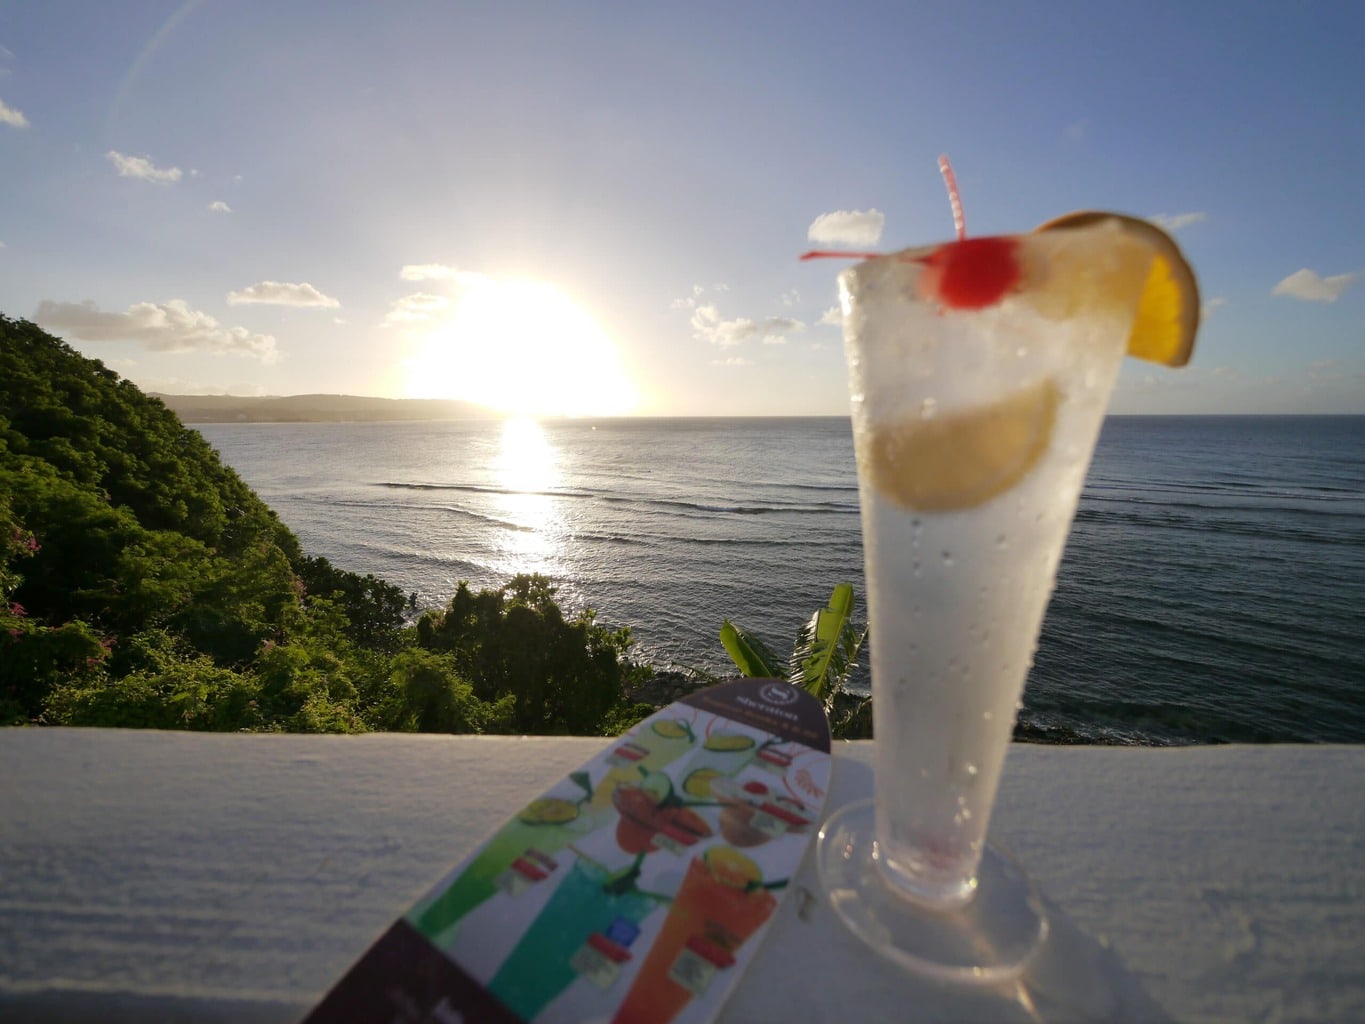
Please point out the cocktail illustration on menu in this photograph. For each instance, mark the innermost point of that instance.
(649, 747)
(520, 854)
(756, 812)
(634, 885)
(513, 856)
(723, 900)
(587, 926)
(979, 375)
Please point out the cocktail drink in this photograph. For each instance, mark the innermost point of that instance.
(723, 753)
(588, 901)
(542, 829)
(720, 904)
(650, 748)
(979, 375)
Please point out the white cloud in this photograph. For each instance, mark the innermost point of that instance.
(732, 361)
(12, 117)
(1077, 130)
(847, 227)
(218, 206)
(832, 317)
(143, 168)
(708, 326)
(690, 301)
(161, 327)
(1176, 221)
(1213, 304)
(791, 298)
(415, 308)
(1307, 285)
(281, 293)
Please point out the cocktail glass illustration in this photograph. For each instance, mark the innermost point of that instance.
(722, 753)
(542, 828)
(649, 747)
(589, 901)
(654, 818)
(721, 903)
(754, 812)
(979, 373)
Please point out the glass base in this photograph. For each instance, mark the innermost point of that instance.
(988, 939)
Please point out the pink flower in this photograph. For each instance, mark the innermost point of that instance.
(15, 608)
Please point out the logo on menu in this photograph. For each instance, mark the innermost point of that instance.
(778, 693)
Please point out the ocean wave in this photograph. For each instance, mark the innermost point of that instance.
(739, 509)
(1327, 526)
(484, 489)
(730, 508)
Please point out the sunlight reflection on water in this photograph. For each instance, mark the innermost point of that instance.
(526, 469)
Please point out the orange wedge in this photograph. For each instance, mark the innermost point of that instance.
(962, 459)
(1168, 312)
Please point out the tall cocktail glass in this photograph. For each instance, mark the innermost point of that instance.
(979, 374)
(588, 900)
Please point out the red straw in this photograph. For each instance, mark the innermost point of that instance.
(959, 222)
(838, 254)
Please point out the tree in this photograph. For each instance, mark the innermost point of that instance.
(564, 676)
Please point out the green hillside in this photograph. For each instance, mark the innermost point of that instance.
(143, 584)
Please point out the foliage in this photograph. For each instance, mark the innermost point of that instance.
(374, 609)
(564, 676)
(823, 658)
(144, 585)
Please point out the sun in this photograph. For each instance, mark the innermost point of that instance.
(521, 347)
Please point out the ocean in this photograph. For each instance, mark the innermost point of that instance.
(1212, 589)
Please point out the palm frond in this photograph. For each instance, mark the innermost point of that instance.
(826, 647)
(750, 654)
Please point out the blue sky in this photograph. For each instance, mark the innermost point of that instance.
(597, 207)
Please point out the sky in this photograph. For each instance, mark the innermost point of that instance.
(597, 208)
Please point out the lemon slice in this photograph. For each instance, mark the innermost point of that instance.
(728, 742)
(698, 784)
(964, 458)
(549, 810)
(1168, 312)
(670, 728)
(730, 867)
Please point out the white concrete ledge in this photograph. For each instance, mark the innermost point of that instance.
(196, 877)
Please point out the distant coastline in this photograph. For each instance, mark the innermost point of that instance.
(362, 409)
(319, 409)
